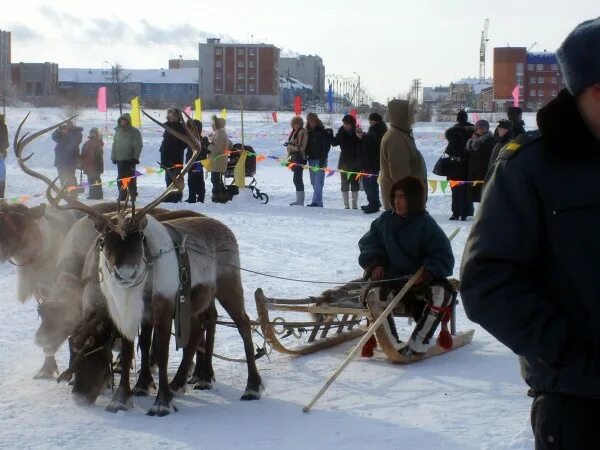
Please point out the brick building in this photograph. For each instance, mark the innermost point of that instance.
(537, 74)
(230, 71)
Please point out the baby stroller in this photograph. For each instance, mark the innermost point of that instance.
(250, 172)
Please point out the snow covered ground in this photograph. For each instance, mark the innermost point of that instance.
(471, 398)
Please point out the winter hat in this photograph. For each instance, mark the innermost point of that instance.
(505, 124)
(375, 117)
(94, 132)
(462, 117)
(578, 60)
(414, 189)
(349, 120)
(514, 113)
(483, 124)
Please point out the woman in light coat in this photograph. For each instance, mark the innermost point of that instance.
(296, 150)
(218, 159)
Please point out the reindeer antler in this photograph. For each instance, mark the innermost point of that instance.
(191, 139)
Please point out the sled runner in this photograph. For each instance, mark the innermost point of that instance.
(339, 316)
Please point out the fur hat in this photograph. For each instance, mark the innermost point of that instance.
(578, 60)
(505, 124)
(462, 117)
(94, 132)
(514, 113)
(483, 124)
(414, 189)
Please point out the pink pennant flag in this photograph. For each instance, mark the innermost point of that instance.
(188, 110)
(515, 95)
(102, 99)
(475, 117)
(274, 114)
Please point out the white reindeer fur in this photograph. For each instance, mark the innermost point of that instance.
(126, 304)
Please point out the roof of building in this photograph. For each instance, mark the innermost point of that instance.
(145, 76)
(476, 83)
(541, 58)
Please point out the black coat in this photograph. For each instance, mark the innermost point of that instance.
(348, 143)
(457, 137)
(172, 149)
(500, 142)
(479, 151)
(319, 144)
(368, 150)
(530, 266)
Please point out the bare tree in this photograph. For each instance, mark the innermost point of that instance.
(118, 78)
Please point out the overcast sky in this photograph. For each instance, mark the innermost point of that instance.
(388, 42)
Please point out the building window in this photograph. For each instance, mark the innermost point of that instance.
(218, 75)
(251, 87)
(218, 51)
(531, 67)
(251, 77)
(554, 80)
(540, 67)
(219, 64)
(240, 64)
(532, 93)
(530, 105)
(554, 93)
(540, 93)
(252, 52)
(554, 67)
(218, 89)
(540, 80)
(519, 68)
(240, 76)
(240, 51)
(532, 80)
(241, 88)
(148, 88)
(252, 64)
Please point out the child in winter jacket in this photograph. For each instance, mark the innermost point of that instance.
(92, 163)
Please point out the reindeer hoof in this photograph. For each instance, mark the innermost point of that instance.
(252, 394)
(203, 385)
(116, 406)
(161, 410)
(177, 391)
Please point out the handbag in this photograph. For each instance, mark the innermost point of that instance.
(441, 166)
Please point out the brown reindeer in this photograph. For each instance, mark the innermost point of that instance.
(131, 247)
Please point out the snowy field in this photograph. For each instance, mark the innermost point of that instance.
(472, 398)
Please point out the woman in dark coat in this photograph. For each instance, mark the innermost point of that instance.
(348, 142)
(479, 148)
(196, 185)
(458, 165)
(171, 152)
(92, 163)
(317, 151)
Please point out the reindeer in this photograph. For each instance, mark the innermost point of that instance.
(135, 246)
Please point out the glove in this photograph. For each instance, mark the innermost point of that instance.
(377, 273)
(135, 161)
(114, 161)
(425, 278)
(323, 163)
(285, 144)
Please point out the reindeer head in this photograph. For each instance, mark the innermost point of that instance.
(18, 228)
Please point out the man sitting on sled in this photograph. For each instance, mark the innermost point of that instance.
(399, 242)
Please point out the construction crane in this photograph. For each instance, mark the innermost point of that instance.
(482, 49)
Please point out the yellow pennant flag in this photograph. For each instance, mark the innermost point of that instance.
(198, 109)
(207, 164)
(224, 113)
(136, 116)
(239, 172)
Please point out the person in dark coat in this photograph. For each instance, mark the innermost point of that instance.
(3, 152)
(195, 181)
(458, 165)
(317, 152)
(348, 142)
(172, 151)
(404, 239)
(92, 163)
(296, 151)
(504, 135)
(66, 153)
(479, 148)
(530, 264)
(368, 160)
(515, 115)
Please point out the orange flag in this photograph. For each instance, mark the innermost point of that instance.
(125, 182)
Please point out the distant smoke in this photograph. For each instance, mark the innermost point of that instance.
(287, 53)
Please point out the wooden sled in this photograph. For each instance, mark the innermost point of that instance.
(336, 323)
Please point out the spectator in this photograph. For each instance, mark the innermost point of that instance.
(504, 132)
(296, 150)
(480, 148)
(368, 160)
(125, 154)
(3, 152)
(217, 148)
(196, 185)
(66, 153)
(399, 156)
(317, 152)
(92, 163)
(515, 115)
(171, 152)
(348, 142)
(530, 264)
(458, 165)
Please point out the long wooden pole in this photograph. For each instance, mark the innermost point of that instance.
(370, 332)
